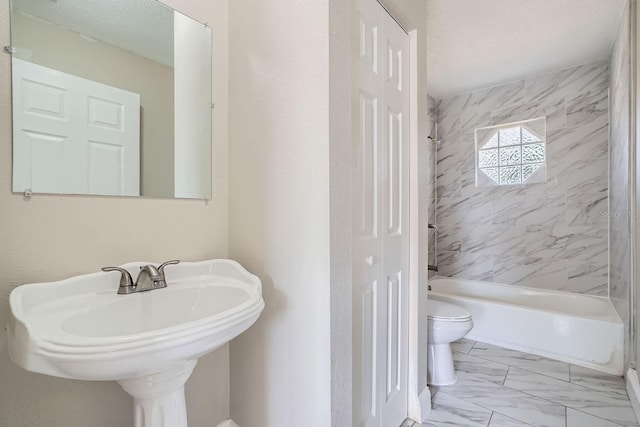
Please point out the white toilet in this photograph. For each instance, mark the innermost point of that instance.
(447, 323)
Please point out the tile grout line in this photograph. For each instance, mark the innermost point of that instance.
(594, 416)
(518, 367)
(505, 376)
(544, 375)
(531, 395)
(490, 418)
(504, 415)
(543, 399)
(471, 403)
(582, 387)
(524, 369)
(622, 392)
(565, 406)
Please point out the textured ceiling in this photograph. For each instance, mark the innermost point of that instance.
(474, 44)
(144, 27)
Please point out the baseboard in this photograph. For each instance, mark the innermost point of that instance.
(228, 423)
(633, 389)
(419, 406)
(425, 404)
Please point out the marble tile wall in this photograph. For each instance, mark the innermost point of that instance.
(431, 185)
(552, 235)
(619, 221)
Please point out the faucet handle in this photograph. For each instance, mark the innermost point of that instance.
(126, 282)
(164, 264)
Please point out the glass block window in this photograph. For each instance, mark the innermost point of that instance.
(511, 154)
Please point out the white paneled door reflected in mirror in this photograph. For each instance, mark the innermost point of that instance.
(110, 98)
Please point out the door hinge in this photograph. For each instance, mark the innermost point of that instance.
(10, 49)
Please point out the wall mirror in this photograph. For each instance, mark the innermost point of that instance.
(110, 98)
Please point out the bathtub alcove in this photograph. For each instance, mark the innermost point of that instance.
(579, 329)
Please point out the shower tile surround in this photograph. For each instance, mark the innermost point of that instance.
(498, 387)
(619, 222)
(431, 184)
(551, 235)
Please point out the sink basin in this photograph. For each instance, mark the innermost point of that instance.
(80, 328)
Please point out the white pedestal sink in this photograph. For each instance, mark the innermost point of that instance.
(79, 328)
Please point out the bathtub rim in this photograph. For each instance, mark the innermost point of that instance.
(612, 315)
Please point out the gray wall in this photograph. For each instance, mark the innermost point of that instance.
(620, 257)
(552, 235)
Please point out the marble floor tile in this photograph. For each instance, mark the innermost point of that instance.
(580, 397)
(512, 403)
(480, 368)
(447, 410)
(597, 380)
(463, 345)
(529, 362)
(499, 420)
(580, 419)
(608, 405)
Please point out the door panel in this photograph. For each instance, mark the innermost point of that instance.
(73, 135)
(45, 100)
(48, 156)
(113, 129)
(105, 168)
(369, 348)
(396, 203)
(394, 168)
(380, 212)
(394, 334)
(367, 245)
(368, 166)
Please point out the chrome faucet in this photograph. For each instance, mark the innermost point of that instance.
(149, 278)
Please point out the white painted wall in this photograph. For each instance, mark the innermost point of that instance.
(192, 102)
(279, 208)
(52, 237)
(343, 30)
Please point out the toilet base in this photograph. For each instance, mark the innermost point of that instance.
(440, 370)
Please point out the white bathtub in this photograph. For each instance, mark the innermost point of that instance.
(579, 329)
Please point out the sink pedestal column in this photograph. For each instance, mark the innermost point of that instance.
(158, 399)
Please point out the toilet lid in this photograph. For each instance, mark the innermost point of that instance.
(444, 311)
